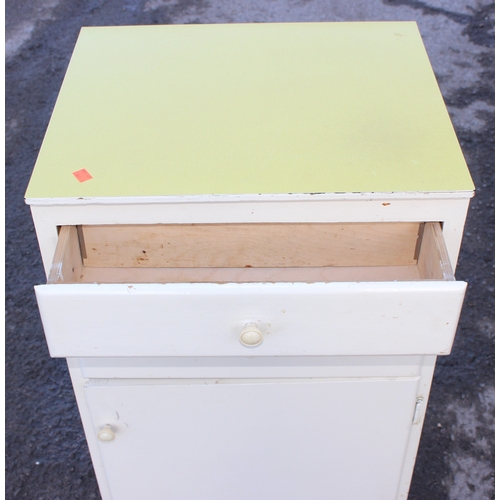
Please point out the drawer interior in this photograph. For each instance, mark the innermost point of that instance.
(239, 253)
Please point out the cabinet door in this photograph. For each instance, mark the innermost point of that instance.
(277, 439)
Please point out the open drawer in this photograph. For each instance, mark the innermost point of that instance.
(311, 289)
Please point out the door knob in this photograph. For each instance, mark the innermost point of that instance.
(106, 434)
(251, 336)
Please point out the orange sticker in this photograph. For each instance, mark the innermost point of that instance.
(82, 175)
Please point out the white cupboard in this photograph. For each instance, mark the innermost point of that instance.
(250, 234)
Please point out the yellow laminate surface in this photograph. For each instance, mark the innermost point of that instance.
(249, 109)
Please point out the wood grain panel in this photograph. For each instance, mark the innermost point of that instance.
(251, 245)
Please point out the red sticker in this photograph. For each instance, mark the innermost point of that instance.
(82, 175)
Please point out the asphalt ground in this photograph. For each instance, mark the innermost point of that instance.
(47, 456)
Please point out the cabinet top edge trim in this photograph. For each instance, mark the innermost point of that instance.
(214, 198)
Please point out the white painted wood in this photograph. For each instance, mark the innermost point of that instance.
(424, 387)
(207, 319)
(78, 383)
(251, 367)
(390, 208)
(275, 439)
(141, 368)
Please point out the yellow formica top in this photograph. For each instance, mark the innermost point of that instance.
(249, 109)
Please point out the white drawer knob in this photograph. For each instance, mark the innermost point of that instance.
(106, 434)
(251, 336)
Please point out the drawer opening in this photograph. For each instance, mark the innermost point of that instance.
(246, 253)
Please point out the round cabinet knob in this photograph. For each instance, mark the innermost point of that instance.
(106, 434)
(251, 336)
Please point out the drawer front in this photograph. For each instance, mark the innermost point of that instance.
(206, 319)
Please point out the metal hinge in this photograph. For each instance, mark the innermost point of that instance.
(418, 410)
